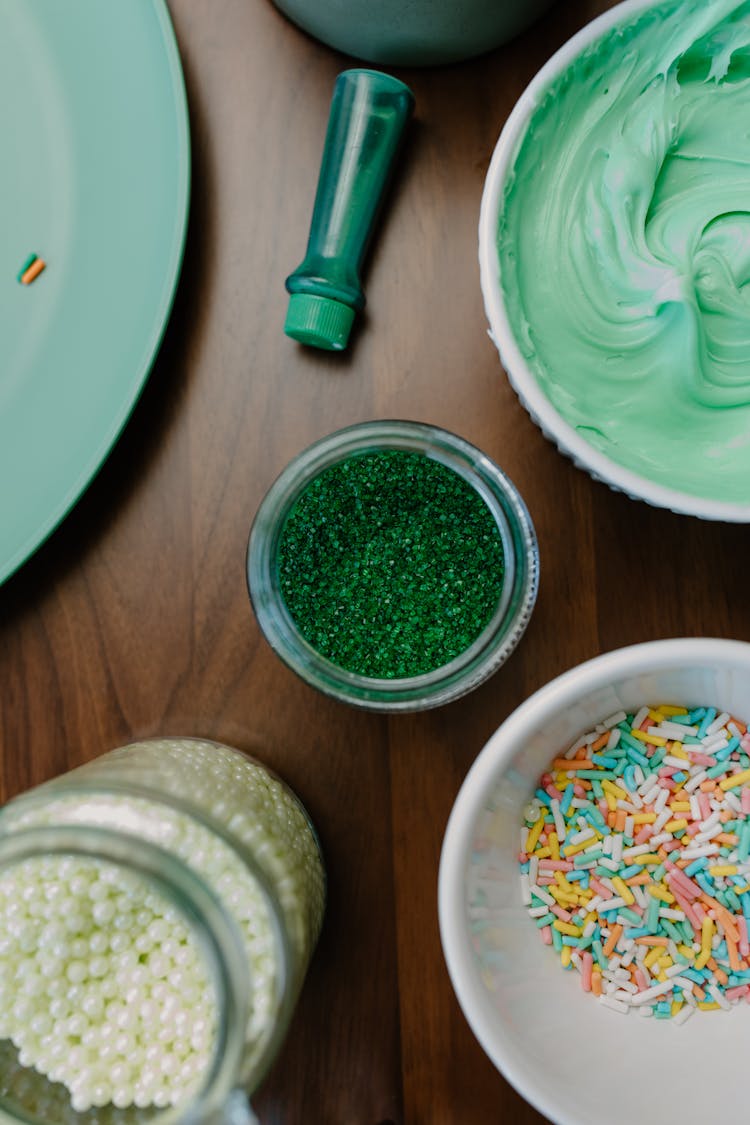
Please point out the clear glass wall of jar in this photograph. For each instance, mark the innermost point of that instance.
(497, 640)
(209, 840)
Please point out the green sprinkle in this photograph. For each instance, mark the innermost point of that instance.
(390, 564)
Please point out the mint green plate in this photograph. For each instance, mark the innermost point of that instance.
(94, 178)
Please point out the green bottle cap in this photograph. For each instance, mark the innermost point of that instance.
(319, 321)
(369, 111)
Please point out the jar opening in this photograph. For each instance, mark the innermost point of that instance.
(64, 888)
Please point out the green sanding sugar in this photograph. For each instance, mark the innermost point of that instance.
(390, 564)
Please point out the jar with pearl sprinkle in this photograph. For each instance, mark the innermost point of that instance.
(158, 909)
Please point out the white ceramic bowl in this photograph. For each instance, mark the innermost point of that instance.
(575, 1060)
(522, 378)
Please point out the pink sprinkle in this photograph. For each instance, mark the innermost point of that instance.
(667, 771)
(678, 875)
(523, 857)
(555, 865)
(701, 759)
(645, 834)
(694, 828)
(705, 805)
(735, 993)
(686, 905)
(742, 927)
(670, 845)
(578, 789)
(587, 963)
(640, 979)
(545, 780)
(563, 915)
(554, 792)
(603, 807)
(667, 783)
(601, 890)
(545, 880)
(745, 797)
(546, 933)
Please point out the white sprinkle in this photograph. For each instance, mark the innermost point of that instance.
(618, 717)
(649, 786)
(613, 740)
(718, 723)
(714, 745)
(719, 997)
(579, 837)
(616, 848)
(609, 864)
(533, 870)
(614, 903)
(733, 801)
(524, 838)
(661, 820)
(629, 827)
(672, 915)
(700, 852)
(673, 971)
(649, 994)
(695, 809)
(537, 911)
(540, 893)
(639, 718)
(636, 850)
(661, 800)
(680, 763)
(645, 1011)
(695, 781)
(615, 1005)
(683, 1015)
(558, 819)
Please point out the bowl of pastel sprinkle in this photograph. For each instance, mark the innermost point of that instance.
(596, 866)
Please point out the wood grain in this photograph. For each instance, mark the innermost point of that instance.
(133, 619)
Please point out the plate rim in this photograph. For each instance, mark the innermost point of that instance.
(68, 499)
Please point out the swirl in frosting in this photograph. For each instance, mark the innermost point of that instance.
(624, 243)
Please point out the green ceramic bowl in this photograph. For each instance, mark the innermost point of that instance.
(413, 32)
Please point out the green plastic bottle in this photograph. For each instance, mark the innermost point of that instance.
(368, 113)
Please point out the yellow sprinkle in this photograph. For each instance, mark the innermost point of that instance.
(542, 853)
(741, 890)
(571, 849)
(666, 961)
(623, 890)
(648, 860)
(565, 955)
(611, 801)
(657, 715)
(676, 1005)
(667, 709)
(534, 833)
(658, 890)
(675, 825)
(562, 895)
(734, 781)
(707, 928)
(723, 869)
(652, 739)
(704, 1005)
(566, 928)
(679, 806)
(652, 957)
(686, 951)
(610, 787)
(677, 750)
(554, 845)
(644, 818)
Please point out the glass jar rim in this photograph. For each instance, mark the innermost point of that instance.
(219, 937)
(494, 643)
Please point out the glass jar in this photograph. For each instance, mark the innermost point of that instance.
(171, 891)
(490, 648)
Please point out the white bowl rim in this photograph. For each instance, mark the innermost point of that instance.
(498, 752)
(519, 373)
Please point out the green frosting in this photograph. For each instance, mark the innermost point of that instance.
(624, 241)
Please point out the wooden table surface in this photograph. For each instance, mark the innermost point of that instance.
(133, 619)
